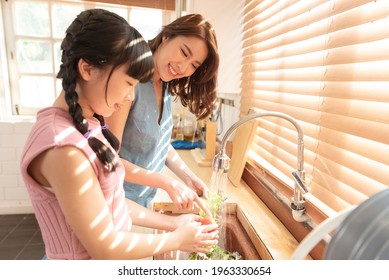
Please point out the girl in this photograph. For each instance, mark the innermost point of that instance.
(70, 165)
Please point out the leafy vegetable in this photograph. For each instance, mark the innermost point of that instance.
(213, 203)
(217, 253)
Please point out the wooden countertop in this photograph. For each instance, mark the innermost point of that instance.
(276, 241)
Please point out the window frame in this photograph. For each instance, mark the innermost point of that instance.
(10, 98)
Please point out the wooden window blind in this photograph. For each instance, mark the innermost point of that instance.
(155, 4)
(326, 64)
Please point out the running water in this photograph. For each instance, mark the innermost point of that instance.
(217, 203)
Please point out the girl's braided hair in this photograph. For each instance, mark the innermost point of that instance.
(103, 39)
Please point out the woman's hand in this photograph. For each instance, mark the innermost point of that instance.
(184, 197)
(197, 185)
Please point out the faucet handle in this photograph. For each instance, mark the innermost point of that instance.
(299, 182)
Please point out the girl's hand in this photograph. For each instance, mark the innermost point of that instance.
(181, 220)
(208, 221)
(194, 237)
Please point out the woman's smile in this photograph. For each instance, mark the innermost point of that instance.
(172, 71)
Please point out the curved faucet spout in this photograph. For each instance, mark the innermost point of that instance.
(298, 199)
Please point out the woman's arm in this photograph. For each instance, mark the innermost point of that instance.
(178, 167)
(182, 196)
(134, 173)
(77, 189)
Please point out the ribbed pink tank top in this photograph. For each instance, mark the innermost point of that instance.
(54, 128)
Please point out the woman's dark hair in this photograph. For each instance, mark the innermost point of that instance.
(104, 40)
(198, 91)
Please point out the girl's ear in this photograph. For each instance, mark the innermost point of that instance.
(85, 69)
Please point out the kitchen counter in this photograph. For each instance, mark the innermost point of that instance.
(275, 241)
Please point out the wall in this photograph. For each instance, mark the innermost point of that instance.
(13, 195)
(226, 18)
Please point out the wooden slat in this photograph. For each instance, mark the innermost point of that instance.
(155, 4)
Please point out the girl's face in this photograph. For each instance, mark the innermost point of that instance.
(104, 99)
(179, 57)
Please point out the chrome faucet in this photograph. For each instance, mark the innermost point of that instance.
(221, 162)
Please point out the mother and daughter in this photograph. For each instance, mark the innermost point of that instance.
(74, 164)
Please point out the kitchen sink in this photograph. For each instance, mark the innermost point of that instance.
(239, 237)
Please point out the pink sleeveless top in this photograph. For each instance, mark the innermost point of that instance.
(54, 128)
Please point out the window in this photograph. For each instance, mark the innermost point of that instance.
(326, 64)
(34, 37)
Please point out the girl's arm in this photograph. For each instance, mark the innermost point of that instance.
(144, 217)
(78, 191)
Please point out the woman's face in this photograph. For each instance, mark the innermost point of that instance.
(179, 57)
(104, 102)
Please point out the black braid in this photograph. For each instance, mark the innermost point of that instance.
(104, 154)
(107, 133)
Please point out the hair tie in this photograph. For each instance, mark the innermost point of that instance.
(88, 134)
(105, 127)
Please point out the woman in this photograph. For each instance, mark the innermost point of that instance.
(72, 171)
(186, 64)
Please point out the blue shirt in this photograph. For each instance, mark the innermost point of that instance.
(145, 142)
